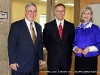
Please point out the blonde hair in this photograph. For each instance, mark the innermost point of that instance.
(83, 10)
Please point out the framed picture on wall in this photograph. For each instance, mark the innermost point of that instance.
(3, 15)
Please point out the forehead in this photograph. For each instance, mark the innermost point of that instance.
(31, 8)
(59, 8)
(87, 10)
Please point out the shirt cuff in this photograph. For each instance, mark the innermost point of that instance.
(93, 49)
(74, 48)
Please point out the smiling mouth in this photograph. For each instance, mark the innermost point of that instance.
(85, 18)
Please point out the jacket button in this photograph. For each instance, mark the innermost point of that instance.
(60, 51)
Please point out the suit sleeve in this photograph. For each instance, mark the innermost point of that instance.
(41, 47)
(12, 42)
(46, 36)
(72, 35)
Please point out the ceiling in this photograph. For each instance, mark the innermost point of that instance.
(58, 1)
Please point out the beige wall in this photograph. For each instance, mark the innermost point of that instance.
(18, 11)
(69, 16)
(18, 8)
(4, 29)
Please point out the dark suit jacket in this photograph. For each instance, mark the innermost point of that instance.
(53, 44)
(21, 49)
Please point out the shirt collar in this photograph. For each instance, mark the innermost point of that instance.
(87, 26)
(28, 23)
(58, 22)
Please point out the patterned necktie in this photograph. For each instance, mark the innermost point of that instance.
(33, 33)
(60, 30)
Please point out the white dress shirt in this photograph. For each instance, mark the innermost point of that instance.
(62, 23)
(28, 25)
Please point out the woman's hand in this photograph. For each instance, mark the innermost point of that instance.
(79, 50)
(86, 50)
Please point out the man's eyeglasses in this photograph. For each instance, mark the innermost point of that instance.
(30, 11)
(60, 11)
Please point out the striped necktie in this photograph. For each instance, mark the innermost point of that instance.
(33, 33)
(60, 30)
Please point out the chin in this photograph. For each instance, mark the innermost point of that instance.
(61, 19)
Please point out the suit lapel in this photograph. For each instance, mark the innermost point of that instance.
(26, 31)
(55, 28)
(37, 30)
(65, 31)
(55, 31)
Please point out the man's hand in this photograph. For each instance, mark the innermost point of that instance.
(40, 63)
(79, 50)
(14, 66)
(86, 50)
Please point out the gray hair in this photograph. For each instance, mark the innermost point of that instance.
(83, 10)
(28, 5)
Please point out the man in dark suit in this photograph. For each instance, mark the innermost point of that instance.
(58, 36)
(25, 48)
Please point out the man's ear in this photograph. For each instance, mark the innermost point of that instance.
(24, 12)
(54, 12)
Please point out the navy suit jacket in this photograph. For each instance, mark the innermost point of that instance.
(54, 44)
(21, 49)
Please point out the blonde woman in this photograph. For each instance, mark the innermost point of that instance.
(86, 44)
